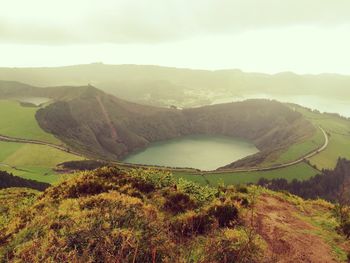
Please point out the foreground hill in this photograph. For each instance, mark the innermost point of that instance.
(113, 215)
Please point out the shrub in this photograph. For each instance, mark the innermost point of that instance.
(225, 213)
(345, 227)
(178, 203)
(86, 189)
(191, 223)
(143, 186)
(234, 245)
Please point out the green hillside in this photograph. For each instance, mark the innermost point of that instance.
(299, 171)
(338, 129)
(18, 121)
(32, 161)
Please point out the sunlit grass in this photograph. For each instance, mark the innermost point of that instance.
(301, 171)
(20, 122)
(33, 161)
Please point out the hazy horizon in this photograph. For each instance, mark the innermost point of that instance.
(250, 35)
(180, 68)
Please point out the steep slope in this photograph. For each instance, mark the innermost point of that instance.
(101, 124)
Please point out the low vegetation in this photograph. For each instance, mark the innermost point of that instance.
(325, 185)
(8, 180)
(139, 215)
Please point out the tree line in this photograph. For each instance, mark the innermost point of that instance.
(326, 185)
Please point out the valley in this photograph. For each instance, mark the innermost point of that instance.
(190, 169)
(174, 131)
(117, 118)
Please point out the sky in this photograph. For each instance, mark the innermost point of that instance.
(303, 36)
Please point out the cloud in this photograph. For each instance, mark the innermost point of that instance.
(155, 21)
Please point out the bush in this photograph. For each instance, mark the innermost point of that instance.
(87, 189)
(225, 213)
(234, 245)
(345, 227)
(178, 203)
(191, 223)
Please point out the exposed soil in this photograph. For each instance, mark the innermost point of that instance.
(114, 134)
(288, 237)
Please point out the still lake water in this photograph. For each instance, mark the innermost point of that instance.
(211, 152)
(34, 100)
(196, 151)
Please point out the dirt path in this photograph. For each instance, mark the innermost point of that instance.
(114, 134)
(289, 238)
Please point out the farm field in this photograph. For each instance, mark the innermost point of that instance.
(18, 121)
(32, 161)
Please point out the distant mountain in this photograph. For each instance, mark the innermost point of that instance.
(164, 86)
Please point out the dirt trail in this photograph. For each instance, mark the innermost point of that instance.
(114, 134)
(288, 237)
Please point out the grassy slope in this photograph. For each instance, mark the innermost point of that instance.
(339, 145)
(12, 201)
(300, 171)
(18, 121)
(320, 215)
(339, 138)
(299, 150)
(309, 227)
(33, 161)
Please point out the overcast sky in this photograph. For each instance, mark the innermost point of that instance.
(304, 36)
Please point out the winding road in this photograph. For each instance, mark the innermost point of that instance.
(62, 148)
(279, 166)
(20, 140)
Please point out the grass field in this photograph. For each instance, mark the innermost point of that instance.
(18, 121)
(37, 161)
(338, 130)
(299, 150)
(300, 171)
(32, 161)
